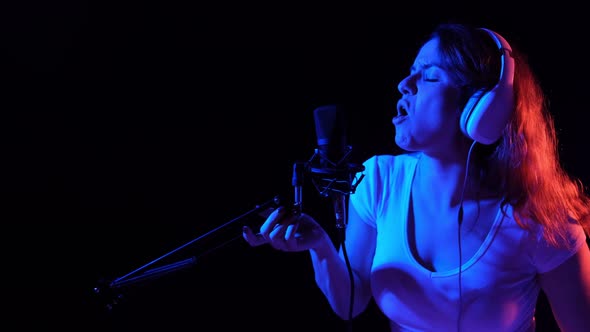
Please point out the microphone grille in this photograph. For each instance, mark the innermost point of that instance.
(330, 125)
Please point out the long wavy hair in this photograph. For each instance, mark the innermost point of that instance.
(524, 164)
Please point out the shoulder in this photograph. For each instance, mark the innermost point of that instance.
(546, 256)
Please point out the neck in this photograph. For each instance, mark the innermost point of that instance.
(445, 177)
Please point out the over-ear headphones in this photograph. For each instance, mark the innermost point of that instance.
(487, 112)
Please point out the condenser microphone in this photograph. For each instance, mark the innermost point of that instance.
(330, 126)
(330, 168)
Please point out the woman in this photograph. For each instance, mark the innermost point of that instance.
(460, 232)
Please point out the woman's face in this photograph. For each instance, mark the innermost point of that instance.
(429, 109)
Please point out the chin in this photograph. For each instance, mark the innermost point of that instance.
(403, 142)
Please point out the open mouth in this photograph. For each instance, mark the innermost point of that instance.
(402, 109)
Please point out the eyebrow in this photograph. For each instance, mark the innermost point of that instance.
(415, 68)
(425, 66)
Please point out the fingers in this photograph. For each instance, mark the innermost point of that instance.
(272, 221)
(289, 236)
(257, 239)
(254, 240)
(279, 230)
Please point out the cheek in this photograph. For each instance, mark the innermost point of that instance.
(451, 97)
(450, 105)
(440, 111)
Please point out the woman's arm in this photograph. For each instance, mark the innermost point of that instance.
(331, 272)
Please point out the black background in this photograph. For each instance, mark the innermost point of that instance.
(131, 129)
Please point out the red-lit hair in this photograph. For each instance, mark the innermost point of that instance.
(524, 164)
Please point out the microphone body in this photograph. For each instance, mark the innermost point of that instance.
(331, 172)
(330, 127)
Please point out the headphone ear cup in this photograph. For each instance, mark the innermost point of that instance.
(488, 112)
(471, 107)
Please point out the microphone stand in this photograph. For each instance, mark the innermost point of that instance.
(142, 274)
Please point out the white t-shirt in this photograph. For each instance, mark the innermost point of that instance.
(499, 286)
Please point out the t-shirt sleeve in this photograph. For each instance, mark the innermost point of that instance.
(547, 257)
(363, 199)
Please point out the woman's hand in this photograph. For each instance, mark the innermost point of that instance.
(287, 231)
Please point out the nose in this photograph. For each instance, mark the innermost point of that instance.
(406, 86)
